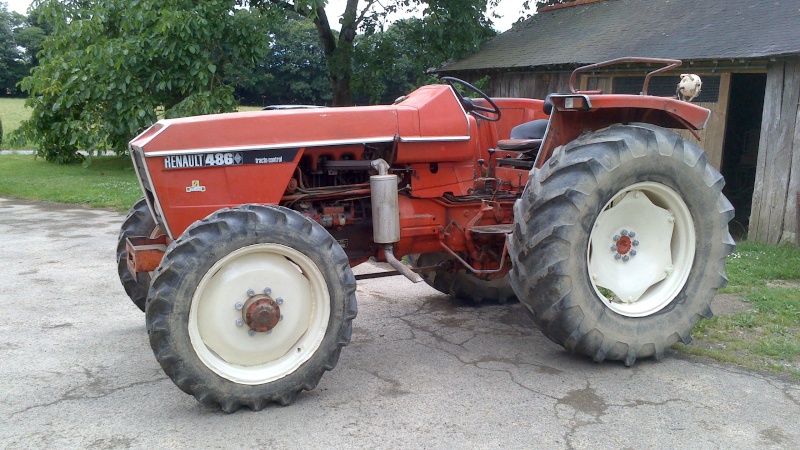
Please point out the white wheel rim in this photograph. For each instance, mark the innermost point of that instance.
(641, 276)
(226, 347)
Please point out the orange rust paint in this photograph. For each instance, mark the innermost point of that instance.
(144, 254)
(261, 313)
(624, 245)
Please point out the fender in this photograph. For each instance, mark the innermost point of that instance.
(575, 114)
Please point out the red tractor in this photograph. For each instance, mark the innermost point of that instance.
(609, 228)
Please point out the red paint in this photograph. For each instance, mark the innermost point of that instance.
(316, 161)
(624, 245)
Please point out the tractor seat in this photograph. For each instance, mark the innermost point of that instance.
(525, 137)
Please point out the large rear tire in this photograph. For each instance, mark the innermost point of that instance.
(251, 305)
(620, 241)
(139, 222)
(461, 284)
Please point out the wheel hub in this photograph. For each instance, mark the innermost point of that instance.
(623, 244)
(261, 313)
(638, 276)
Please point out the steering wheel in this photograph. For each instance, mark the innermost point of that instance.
(469, 105)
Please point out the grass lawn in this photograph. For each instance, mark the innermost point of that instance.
(109, 182)
(12, 113)
(766, 335)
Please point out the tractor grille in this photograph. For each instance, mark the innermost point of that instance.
(147, 188)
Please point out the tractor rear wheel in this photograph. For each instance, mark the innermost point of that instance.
(138, 223)
(251, 305)
(461, 284)
(620, 242)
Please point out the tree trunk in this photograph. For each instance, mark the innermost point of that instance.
(339, 55)
(341, 92)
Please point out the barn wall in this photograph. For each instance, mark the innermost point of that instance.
(528, 85)
(539, 85)
(774, 214)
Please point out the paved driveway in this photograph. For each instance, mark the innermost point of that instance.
(76, 370)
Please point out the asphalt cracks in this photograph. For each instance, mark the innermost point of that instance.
(422, 371)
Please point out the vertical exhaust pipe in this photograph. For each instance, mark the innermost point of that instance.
(386, 216)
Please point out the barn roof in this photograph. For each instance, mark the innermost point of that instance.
(593, 31)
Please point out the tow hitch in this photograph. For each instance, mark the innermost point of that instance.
(144, 253)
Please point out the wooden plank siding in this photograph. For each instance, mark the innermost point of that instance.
(539, 85)
(774, 214)
(528, 85)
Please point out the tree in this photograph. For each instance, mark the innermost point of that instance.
(394, 62)
(20, 40)
(297, 65)
(460, 24)
(30, 37)
(293, 71)
(10, 63)
(112, 68)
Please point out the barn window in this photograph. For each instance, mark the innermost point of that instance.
(666, 86)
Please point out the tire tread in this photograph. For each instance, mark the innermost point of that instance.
(548, 222)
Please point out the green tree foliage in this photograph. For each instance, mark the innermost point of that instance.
(292, 72)
(20, 40)
(297, 64)
(112, 68)
(11, 66)
(392, 63)
(449, 27)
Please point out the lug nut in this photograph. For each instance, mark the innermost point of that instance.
(613, 248)
(635, 243)
(251, 332)
(281, 317)
(616, 237)
(267, 291)
(624, 232)
(617, 256)
(239, 322)
(251, 292)
(632, 234)
(632, 253)
(279, 300)
(238, 306)
(626, 258)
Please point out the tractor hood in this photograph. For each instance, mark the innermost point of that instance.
(429, 113)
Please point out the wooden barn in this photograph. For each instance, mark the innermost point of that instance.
(747, 53)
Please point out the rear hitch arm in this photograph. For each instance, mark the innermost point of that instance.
(144, 253)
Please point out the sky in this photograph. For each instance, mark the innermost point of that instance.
(509, 10)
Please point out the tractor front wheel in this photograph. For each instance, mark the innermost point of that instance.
(251, 305)
(620, 242)
(139, 222)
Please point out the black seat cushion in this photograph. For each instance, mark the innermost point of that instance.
(530, 130)
(519, 145)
